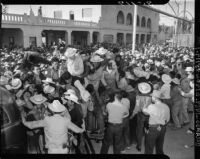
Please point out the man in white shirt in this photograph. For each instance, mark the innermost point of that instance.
(55, 128)
(113, 134)
(159, 115)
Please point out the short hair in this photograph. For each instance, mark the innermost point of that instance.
(54, 59)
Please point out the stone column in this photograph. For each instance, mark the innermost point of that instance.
(69, 41)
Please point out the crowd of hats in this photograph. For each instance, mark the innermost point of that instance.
(160, 56)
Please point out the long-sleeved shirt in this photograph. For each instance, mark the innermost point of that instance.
(141, 102)
(55, 128)
(165, 91)
(159, 113)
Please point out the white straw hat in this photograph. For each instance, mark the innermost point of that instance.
(71, 97)
(144, 88)
(70, 52)
(38, 99)
(96, 58)
(189, 69)
(176, 81)
(16, 83)
(166, 78)
(56, 106)
(48, 89)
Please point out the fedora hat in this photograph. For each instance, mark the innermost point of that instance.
(70, 91)
(96, 58)
(144, 88)
(71, 96)
(176, 81)
(48, 89)
(48, 80)
(38, 99)
(16, 83)
(70, 52)
(166, 78)
(56, 106)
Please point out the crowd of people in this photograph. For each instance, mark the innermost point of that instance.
(100, 90)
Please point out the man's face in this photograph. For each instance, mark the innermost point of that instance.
(55, 65)
(36, 70)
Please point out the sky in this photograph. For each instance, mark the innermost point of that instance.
(48, 10)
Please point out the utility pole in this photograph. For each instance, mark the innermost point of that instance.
(134, 28)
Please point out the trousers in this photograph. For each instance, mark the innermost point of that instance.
(141, 121)
(154, 138)
(113, 135)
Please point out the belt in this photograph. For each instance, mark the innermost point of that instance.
(115, 124)
(156, 125)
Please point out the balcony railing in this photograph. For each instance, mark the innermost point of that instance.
(18, 19)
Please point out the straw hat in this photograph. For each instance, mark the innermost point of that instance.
(48, 80)
(189, 69)
(176, 81)
(96, 58)
(70, 91)
(101, 51)
(71, 96)
(16, 83)
(48, 89)
(56, 106)
(166, 78)
(38, 99)
(70, 52)
(144, 88)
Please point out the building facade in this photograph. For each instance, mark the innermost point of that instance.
(115, 26)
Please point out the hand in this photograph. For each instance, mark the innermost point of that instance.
(182, 93)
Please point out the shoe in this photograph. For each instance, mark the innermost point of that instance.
(186, 123)
(124, 151)
(189, 132)
(128, 148)
(138, 148)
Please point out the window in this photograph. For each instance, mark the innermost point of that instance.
(129, 19)
(108, 38)
(148, 38)
(142, 40)
(137, 38)
(4, 117)
(143, 22)
(149, 23)
(32, 41)
(11, 40)
(120, 18)
(138, 20)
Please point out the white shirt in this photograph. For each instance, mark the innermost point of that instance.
(55, 129)
(159, 113)
(165, 91)
(116, 112)
(126, 104)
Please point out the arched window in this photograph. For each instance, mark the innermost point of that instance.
(143, 22)
(129, 19)
(149, 23)
(138, 20)
(120, 18)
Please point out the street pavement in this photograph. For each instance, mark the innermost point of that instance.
(174, 145)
